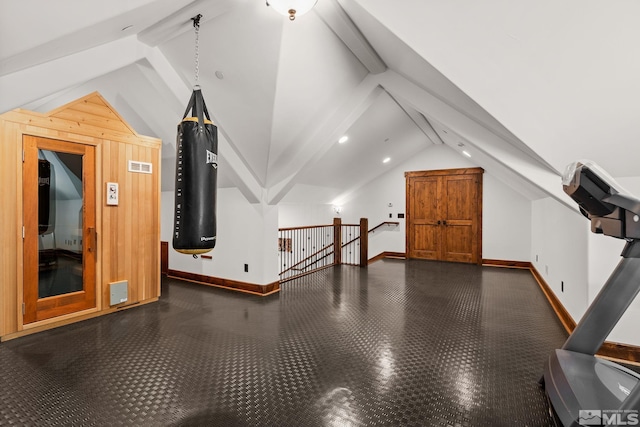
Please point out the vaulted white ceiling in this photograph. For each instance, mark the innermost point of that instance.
(526, 87)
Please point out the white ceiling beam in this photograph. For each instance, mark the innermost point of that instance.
(239, 173)
(168, 75)
(341, 24)
(492, 145)
(125, 19)
(230, 157)
(424, 124)
(319, 142)
(25, 86)
(496, 167)
(420, 120)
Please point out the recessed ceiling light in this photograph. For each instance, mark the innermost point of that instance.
(386, 160)
(466, 153)
(343, 139)
(219, 75)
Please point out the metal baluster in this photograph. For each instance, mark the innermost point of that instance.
(280, 253)
(298, 246)
(316, 247)
(353, 244)
(357, 246)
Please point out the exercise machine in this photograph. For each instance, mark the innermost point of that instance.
(581, 388)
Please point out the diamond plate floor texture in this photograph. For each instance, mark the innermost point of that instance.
(413, 343)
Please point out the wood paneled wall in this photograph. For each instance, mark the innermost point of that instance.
(10, 240)
(133, 253)
(128, 234)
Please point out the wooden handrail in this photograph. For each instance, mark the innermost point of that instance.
(326, 251)
(310, 256)
(306, 227)
(350, 241)
(331, 225)
(371, 231)
(383, 224)
(314, 262)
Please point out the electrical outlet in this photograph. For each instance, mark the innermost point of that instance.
(246, 268)
(390, 215)
(562, 286)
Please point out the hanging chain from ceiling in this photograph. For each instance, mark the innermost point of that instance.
(196, 26)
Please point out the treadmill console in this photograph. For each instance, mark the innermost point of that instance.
(612, 210)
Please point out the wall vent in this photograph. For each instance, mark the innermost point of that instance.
(118, 292)
(139, 167)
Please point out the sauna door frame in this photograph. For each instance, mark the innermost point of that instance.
(35, 308)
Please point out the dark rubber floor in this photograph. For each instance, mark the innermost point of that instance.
(402, 343)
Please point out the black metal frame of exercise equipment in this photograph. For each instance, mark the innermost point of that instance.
(574, 379)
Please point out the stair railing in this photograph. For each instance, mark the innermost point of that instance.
(304, 250)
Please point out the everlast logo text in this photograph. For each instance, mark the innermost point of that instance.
(43, 181)
(213, 159)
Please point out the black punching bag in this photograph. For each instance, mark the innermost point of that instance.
(194, 229)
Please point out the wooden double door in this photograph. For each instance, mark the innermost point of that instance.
(444, 215)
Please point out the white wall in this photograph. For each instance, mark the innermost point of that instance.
(247, 234)
(506, 218)
(540, 81)
(506, 213)
(559, 251)
(372, 200)
(604, 255)
(568, 251)
(301, 214)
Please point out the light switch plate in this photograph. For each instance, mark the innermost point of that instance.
(112, 193)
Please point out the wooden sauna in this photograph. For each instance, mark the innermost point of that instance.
(80, 216)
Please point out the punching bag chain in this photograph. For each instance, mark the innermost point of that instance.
(196, 25)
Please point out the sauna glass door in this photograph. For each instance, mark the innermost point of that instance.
(59, 228)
